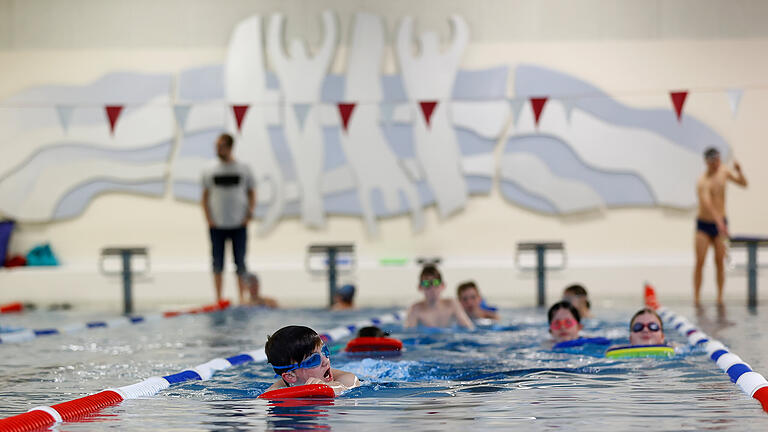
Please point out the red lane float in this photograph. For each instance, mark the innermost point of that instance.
(302, 391)
(11, 307)
(221, 305)
(373, 344)
(762, 396)
(71, 410)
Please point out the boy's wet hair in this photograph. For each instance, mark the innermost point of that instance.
(430, 271)
(577, 290)
(371, 331)
(466, 286)
(290, 345)
(710, 153)
(563, 305)
(228, 140)
(645, 311)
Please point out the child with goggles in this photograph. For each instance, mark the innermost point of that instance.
(298, 356)
(645, 328)
(564, 322)
(434, 311)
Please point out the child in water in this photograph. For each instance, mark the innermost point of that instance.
(299, 356)
(645, 328)
(564, 322)
(434, 311)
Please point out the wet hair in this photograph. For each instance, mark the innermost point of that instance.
(428, 271)
(466, 286)
(711, 152)
(251, 278)
(578, 290)
(645, 311)
(291, 344)
(371, 331)
(563, 305)
(228, 140)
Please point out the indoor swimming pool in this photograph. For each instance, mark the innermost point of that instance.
(495, 378)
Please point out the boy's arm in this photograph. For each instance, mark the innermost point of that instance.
(342, 382)
(462, 316)
(737, 176)
(277, 384)
(411, 320)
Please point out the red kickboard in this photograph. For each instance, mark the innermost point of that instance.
(302, 391)
(373, 344)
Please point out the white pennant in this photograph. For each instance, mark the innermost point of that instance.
(517, 108)
(568, 105)
(181, 112)
(65, 115)
(734, 98)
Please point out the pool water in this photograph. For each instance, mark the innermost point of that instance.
(492, 379)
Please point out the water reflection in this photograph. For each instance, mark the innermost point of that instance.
(298, 414)
(713, 326)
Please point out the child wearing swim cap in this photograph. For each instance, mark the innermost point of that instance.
(564, 322)
(645, 328)
(299, 356)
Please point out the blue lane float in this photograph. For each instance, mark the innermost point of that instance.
(31, 334)
(750, 382)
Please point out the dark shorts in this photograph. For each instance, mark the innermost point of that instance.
(708, 228)
(219, 237)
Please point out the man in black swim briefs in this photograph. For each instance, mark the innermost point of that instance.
(711, 223)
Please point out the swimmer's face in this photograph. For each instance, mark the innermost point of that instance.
(322, 372)
(713, 162)
(564, 326)
(470, 299)
(432, 287)
(646, 336)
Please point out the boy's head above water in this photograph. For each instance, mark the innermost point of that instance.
(431, 283)
(297, 353)
(564, 321)
(646, 328)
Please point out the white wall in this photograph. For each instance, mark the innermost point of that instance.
(636, 51)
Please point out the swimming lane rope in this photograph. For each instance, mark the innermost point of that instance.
(45, 416)
(749, 381)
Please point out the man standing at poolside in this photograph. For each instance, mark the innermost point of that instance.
(229, 198)
(711, 222)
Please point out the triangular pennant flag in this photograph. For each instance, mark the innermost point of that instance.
(537, 104)
(678, 100)
(65, 115)
(734, 98)
(113, 112)
(387, 112)
(345, 110)
(239, 111)
(517, 107)
(568, 105)
(181, 112)
(427, 108)
(301, 111)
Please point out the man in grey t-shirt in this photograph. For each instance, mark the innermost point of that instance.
(229, 198)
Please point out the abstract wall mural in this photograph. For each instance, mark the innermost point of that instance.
(361, 143)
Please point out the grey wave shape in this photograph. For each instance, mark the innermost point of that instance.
(206, 83)
(75, 201)
(59, 153)
(517, 195)
(117, 88)
(617, 188)
(692, 134)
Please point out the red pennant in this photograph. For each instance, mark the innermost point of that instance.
(678, 99)
(239, 111)
(427, 108)
(538, 106)
(113, 112)
(345, 110)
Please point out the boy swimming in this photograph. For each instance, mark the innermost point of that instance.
(472, 302)
(299, 356)
(564, 322)
(434, 311)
